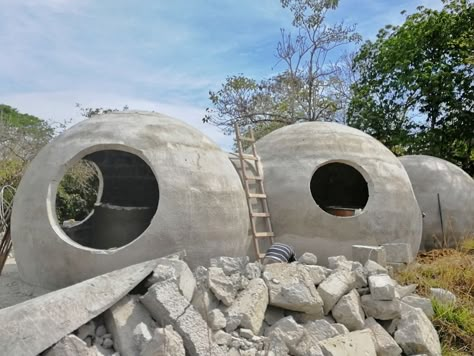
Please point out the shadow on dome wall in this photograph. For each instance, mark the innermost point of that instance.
(127, 202)
(339, 189)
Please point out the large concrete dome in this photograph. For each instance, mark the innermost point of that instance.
(330, 186)
(445, 194)
(164, 187)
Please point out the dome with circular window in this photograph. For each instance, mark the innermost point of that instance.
(330, 186)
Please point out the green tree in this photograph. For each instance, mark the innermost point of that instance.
(415, 90)
(307, 89)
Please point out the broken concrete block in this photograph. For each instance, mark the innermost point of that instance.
(317, 273)
(308, 258)
(108, 343)
(250, 305)
(415, 334)
(348, 311)
(175, 269)
(86, 330)
(363, 253)
(398, 252)
(380, 309)
(291, 287)
(165, 342)
(334, 287)
(122, 319)
(285, 331)
(443, 296)
(222, 338)
(340, 328)
(70, 345)
(100, 331)
(99, 350)
(382, 287)
(141, 335)
(321, 329)
(221, 285)
(403, 291)
(360, 276)
(384, 343)
(420, 302)
(355, 343)
(216, 319)
(246, 334)
(253, 270)
(374, 268)
(273, 314)
(230, 265)
(339, 262)
(168, 306)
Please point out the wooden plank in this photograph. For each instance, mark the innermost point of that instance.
(264, 234)
(257, 195)
(261, 215)
(249, 157)
(254, 178)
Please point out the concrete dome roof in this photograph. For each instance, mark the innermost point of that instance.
(451, 218)
(153, 162)
(340, 167)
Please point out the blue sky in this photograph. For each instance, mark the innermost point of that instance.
(149, 55)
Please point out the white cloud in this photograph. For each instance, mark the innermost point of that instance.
(59, 107)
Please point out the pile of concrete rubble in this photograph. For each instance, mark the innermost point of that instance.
(237, 307)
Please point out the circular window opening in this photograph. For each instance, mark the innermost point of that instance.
(339, 189)
(107, 199)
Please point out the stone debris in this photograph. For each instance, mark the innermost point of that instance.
(242, 308)
(398, 252)
(443, 296)
(363, 253)
(308, 258)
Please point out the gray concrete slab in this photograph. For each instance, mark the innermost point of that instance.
(31, 327)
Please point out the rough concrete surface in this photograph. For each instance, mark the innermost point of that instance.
(431, 176)
(201, 207)
(31, 327)
(300, 222)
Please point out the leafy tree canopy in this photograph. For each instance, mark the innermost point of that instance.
(415, 90)
(307, 89)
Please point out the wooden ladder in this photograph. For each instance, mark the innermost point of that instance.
(260, 195)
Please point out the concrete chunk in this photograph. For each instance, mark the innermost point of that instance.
(373, 268)
(398, 252)
(230, 265)
(420, 302)
(70, 345)
(355, 343)
(415, 334)
(348, 311)
(178, 270)
(380, 309)
(382, 287)
(321, 329)
(142, 335)
(221, 285)
(339, 262)
(121, 321)
(286, 331)
(291, 287)
(363, 253)
(216, 319)
(384, 343)
(165, 342)
(250, 305)
(308, 258)
(443, 296)
(167, 305)
(317, 273)
(334, 287)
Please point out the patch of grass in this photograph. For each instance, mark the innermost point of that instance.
(451, 269)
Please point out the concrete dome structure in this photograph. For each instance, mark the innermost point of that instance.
(165, 187)
(445, 194)
(330, 186)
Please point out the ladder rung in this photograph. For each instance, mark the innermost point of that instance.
(250, 157)
(261, 215)
(257, 195)
(261, 256)
(253, 178)
(264, 234)
(248, 139)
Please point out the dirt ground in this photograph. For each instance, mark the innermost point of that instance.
(12, 289)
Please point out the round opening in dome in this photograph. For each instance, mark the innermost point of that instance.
(107, 199)
(339, 189)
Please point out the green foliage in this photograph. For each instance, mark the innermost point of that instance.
(415, 90)
(77, 192)
(307, 89)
